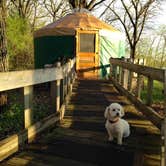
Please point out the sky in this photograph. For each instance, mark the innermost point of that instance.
(161, 18)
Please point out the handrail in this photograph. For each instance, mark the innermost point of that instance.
(121, 74)
(154, 73)
(18, 79)
(61, 79)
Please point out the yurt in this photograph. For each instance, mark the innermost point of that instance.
(79, 35)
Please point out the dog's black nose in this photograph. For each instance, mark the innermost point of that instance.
(117, 113)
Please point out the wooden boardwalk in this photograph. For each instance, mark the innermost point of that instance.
(80, 139)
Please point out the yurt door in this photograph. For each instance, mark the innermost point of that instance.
(87, 54)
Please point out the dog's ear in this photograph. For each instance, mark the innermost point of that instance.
(106, 112)
(122, 111)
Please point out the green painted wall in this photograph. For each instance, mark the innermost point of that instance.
(48, 49)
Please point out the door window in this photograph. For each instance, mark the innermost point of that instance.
(87, 42)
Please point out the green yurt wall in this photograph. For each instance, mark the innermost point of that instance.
(111, 45)
(48, 49)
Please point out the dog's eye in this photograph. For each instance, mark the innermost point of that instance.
(113, 110)
(118, 109)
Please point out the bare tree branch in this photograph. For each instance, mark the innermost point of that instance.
(132, 15)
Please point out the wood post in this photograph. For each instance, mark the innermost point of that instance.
(149, 91)
(68, 77)
(71, 79)
(111, 70)
(139, 85)
(163, 128)
(55, 94)
(115, 74)
(57, 91)
(163, 143)
(120, 75)
(28, 106)
(130, 77)
(62, 90)
(165, 90)
(125, 78)
(65, 85)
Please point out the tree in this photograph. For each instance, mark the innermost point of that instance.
(152, 48)
(20, 43)
(3, 41)
(55, 8)
(25, 9)
(89, 5)
(132, 14)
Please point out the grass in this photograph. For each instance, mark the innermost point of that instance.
(157, 94)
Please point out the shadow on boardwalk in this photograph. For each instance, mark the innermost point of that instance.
(80, 139)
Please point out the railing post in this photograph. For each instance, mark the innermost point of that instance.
(62, 89)
(164, 91)
(115, 73)
(65, 82)
(71, 76)
(55, 92)
(163, 128)
(149, 93)
(130, 78)
(28, 106)
(139, 84)
(125, 78)
(120, 75)
(111, 69)
(68, 76)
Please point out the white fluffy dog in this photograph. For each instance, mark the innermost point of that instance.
(116, 127)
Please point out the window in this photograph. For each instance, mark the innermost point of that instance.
(87, 42)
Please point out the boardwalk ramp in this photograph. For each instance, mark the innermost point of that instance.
(80, 139)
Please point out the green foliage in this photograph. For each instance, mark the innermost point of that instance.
(157, 94)
(12, 116)
(20, 43)
(11, 119)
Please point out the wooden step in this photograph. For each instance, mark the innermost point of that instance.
(81, 148)
(32, 158)
(144, 142)
(97, 123)
(147, 145)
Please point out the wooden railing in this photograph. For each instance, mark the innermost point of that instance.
(61, 79)
(122, 75)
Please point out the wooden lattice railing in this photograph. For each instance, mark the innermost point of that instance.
(61, 79)
(122, 77)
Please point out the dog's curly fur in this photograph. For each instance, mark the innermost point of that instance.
(116, 127)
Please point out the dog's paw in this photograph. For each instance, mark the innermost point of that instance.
(110, 139)
(120, 148)
(119, 143)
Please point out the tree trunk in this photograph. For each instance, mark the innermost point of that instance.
(3, 41)
(3, 47)
(132, 53)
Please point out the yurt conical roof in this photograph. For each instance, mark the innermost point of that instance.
(68, 25)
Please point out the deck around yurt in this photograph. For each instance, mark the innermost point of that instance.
(80, 139)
